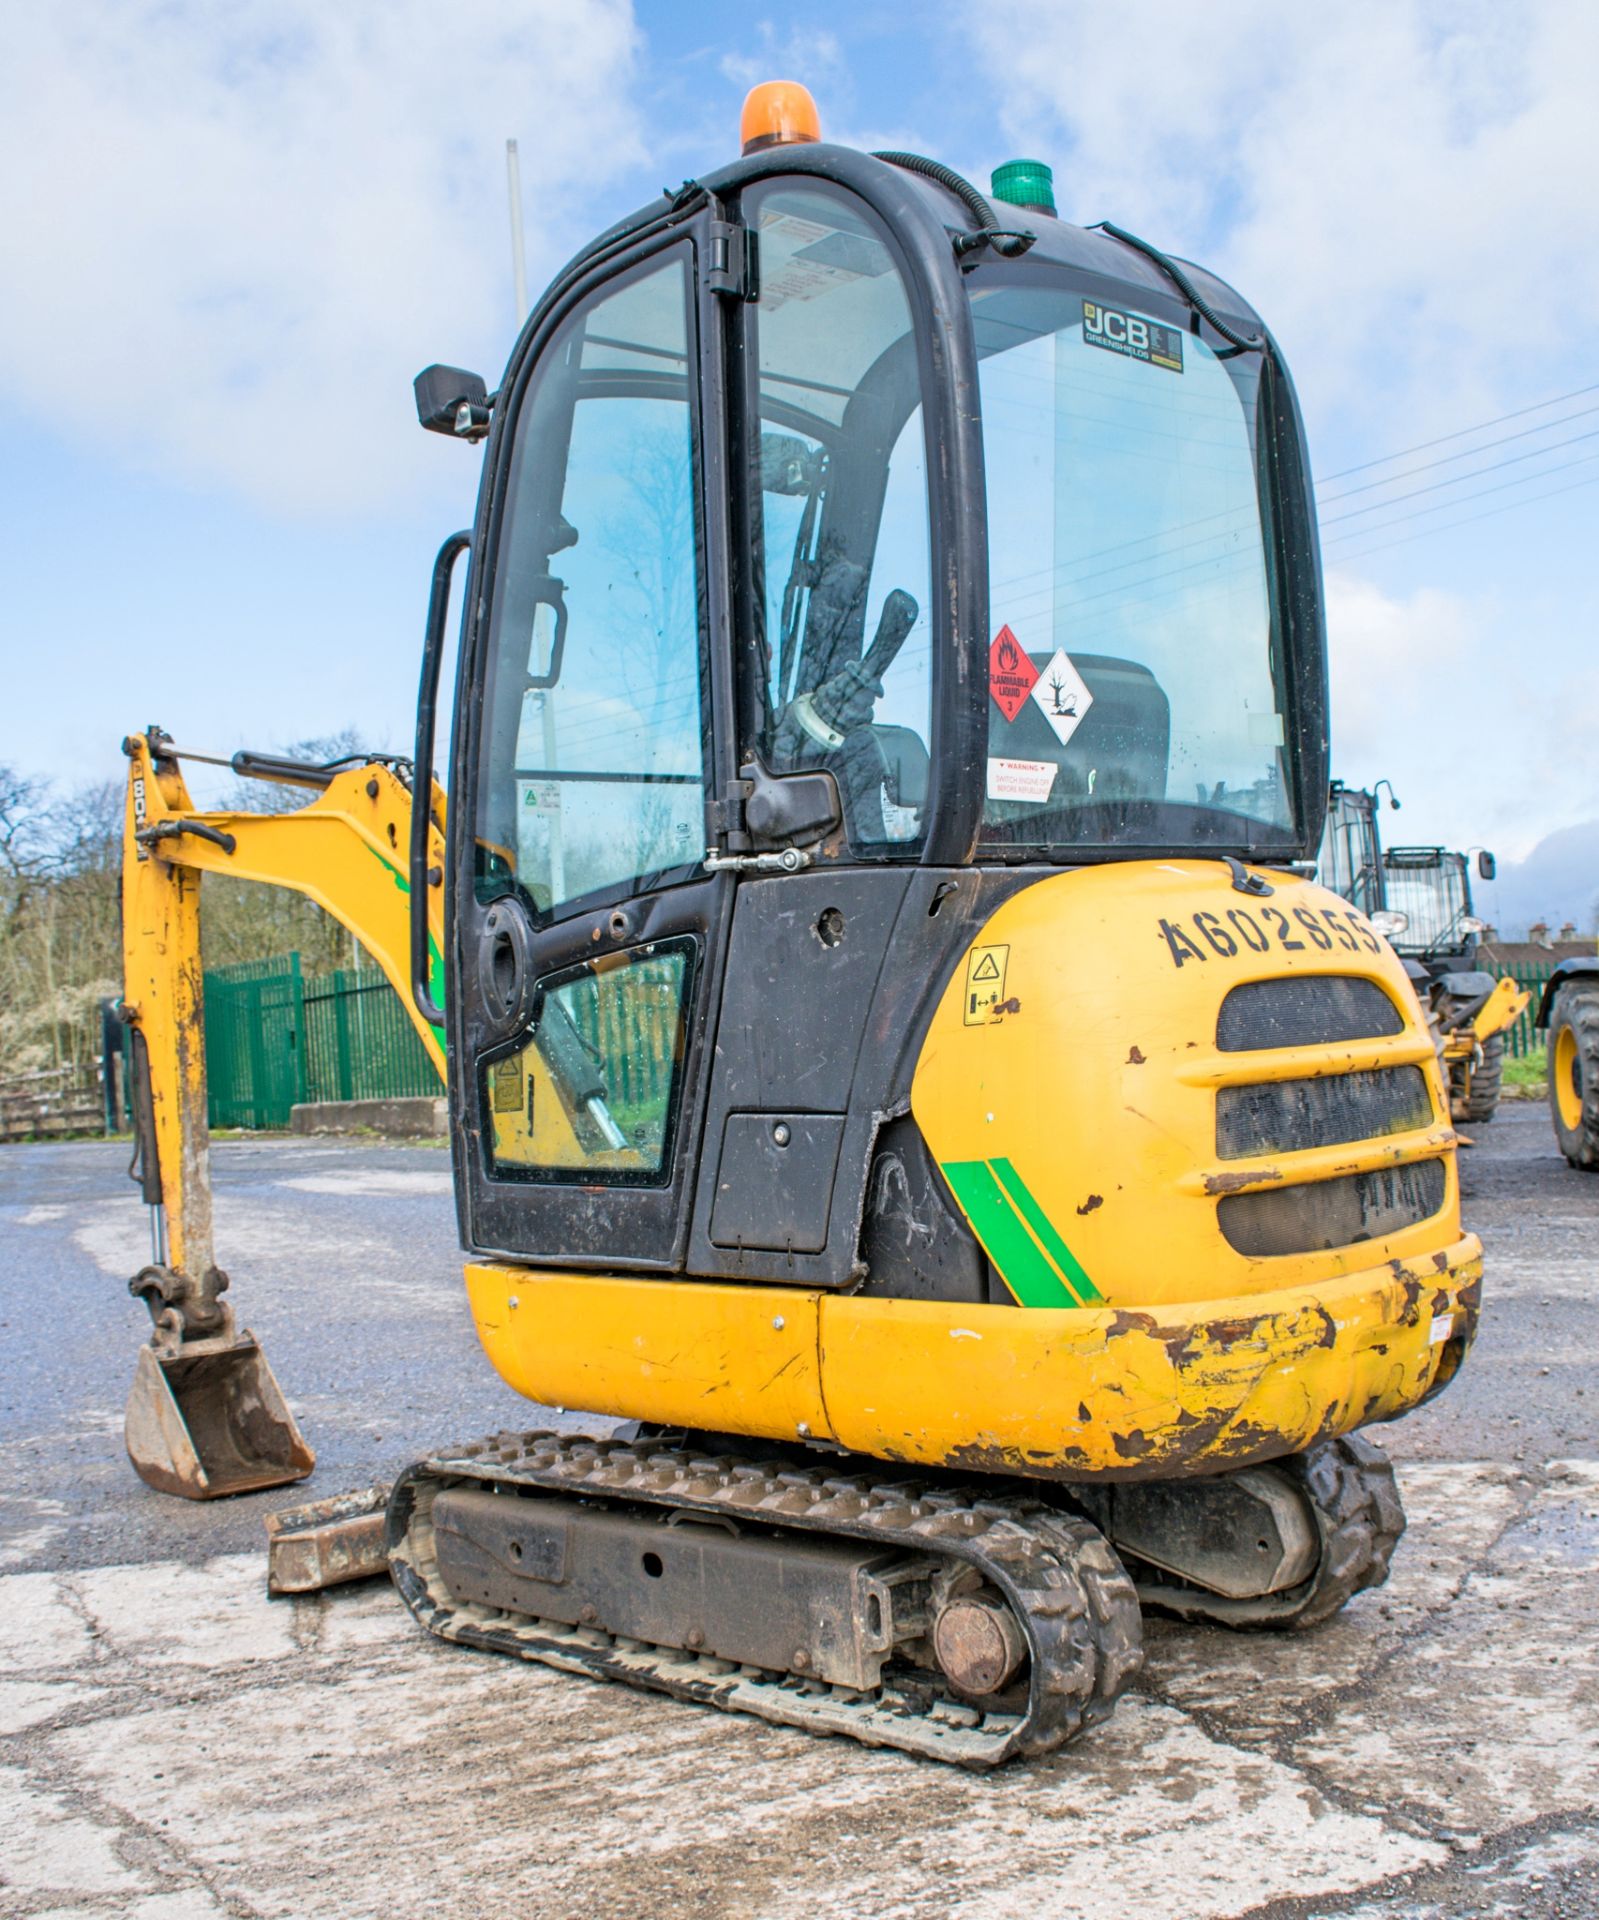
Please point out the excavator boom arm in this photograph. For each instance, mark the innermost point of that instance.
(346, 850)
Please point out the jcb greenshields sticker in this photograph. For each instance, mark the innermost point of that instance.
(1131, 334)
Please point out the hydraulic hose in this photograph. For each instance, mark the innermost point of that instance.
(1003, 240)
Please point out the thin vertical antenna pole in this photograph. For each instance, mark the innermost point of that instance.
(513, 175)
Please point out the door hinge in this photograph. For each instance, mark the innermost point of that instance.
(733, 264)
(724, 816)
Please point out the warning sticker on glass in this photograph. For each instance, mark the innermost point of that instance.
(1061, 695)
(801, 259)
(506, 1077)
(1011, 674)
(1132, 335)
(1021, 779)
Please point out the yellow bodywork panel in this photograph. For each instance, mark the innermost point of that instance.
(743, 1359)
(1110, 1393)
(1068, 1087)
(1076, 1119)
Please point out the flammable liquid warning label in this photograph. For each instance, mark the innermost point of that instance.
(1011, 675)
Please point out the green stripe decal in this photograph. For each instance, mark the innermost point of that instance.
(1071, 1267)
(1019, 1257)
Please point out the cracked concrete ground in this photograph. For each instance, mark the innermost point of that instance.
(174, 1746)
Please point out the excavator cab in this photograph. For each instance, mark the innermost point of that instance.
(842, 560)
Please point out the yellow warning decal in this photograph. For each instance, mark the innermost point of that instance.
(506, 1078)
(985, 982)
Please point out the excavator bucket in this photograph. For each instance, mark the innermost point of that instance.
(211, 1420)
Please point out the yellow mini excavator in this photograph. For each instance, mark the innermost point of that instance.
(899, 1065)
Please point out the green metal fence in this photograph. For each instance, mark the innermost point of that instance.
(274, 1038)
(1524, 1038)
(255, 1042)
(359, 1041)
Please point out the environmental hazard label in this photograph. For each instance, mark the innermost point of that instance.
(1011, 675)
(1061, 695)
(1020, 779)
(985, 983)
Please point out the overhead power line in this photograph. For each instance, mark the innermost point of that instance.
(1460, 433)
(1467, 519)
(1483, 446)
(1475, 473)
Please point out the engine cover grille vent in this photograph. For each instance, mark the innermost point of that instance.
(1305, 1010)
(1332, 1213)
(1288, 1116)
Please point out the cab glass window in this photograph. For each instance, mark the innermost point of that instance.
(841, 477)
(592, 774)
(1137, 680)
(591, 1095)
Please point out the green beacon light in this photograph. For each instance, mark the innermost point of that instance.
(1024, 183)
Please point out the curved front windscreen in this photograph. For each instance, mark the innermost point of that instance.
(1136, 688)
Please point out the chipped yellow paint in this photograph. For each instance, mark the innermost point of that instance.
(1098, 1080)
(1096, 1393)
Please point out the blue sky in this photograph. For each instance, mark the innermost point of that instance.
(236, 232)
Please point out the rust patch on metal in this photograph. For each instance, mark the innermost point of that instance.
(1093, 1200)
(1135, 1057)
(1236, 1182)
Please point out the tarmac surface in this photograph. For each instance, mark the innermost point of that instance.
(175, 1746)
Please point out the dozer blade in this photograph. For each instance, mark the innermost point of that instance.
(328, 1542)
(210, 1420)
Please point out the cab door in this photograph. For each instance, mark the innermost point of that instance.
(587, 936)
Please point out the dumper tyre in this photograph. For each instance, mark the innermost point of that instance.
(1349, 1486)
(1574, 1073)
(1482, 1098)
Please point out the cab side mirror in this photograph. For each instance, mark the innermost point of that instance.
(451, 400)
(1487, 866)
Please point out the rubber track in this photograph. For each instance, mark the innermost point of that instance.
(1352, 1493)
(1059, 1574)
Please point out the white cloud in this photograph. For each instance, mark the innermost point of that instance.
(1487, 738)
(241, 229)
(1403, 187)
(806, 54)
